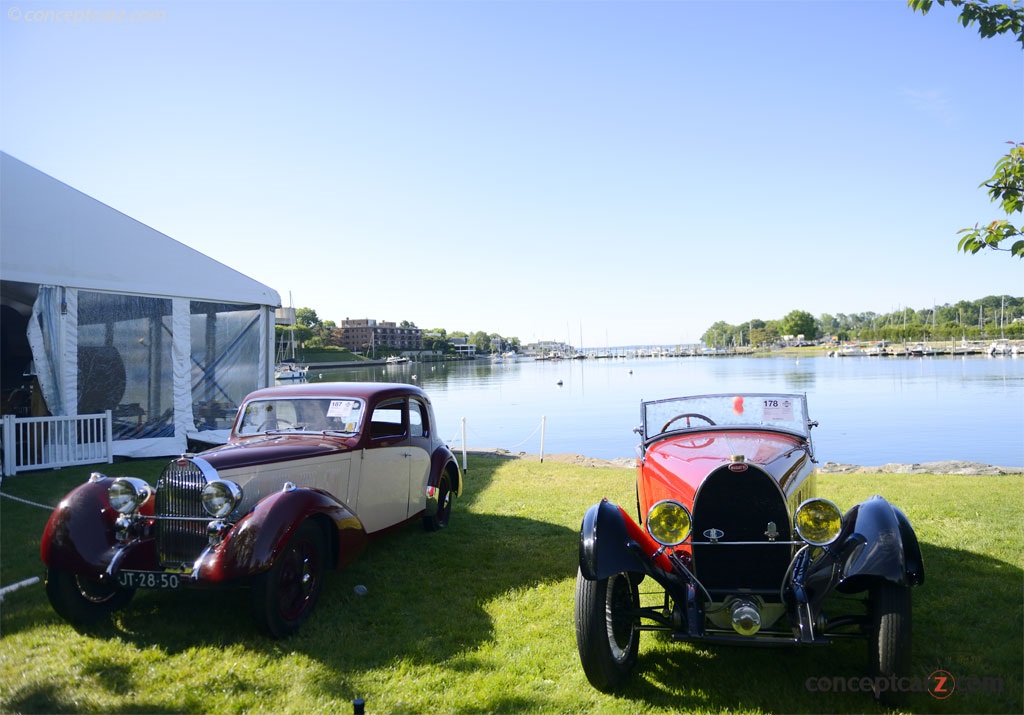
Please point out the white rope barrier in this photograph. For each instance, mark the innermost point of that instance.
(26, 501)
(539, 428)
(15, 586)
(29, 581)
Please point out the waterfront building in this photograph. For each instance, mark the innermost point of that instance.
(366, 334)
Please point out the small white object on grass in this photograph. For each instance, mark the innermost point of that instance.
(360, 590)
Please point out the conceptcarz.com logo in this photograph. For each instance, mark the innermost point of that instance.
(941, 684)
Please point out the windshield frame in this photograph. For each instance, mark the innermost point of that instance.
(338, 415)
(761, 411)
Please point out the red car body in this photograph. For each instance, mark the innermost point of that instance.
(309, 473)
(738, 545)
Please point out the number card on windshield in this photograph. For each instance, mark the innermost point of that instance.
(342, 408)
(778, 409)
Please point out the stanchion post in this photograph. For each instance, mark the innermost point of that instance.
(543, 422)
(465, 468)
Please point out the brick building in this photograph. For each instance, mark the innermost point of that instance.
(365, 335)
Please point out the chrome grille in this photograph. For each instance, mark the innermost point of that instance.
(181, 519)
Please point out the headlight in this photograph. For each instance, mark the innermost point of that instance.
(818, 521)
(220, 498)
(668, 522)
(126, 494)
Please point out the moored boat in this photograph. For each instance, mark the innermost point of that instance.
(1000, 348)
(290, 371)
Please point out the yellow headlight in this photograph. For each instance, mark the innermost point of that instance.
(668, 522)
(818, 521)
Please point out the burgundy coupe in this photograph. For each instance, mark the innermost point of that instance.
(309, 472)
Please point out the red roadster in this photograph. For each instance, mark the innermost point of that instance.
(738, 546)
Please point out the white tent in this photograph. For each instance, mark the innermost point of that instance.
(102, 312)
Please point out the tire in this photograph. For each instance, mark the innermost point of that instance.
(284, 595)
(607, 628)
(84, 601)
(890, 635)
(439, 519)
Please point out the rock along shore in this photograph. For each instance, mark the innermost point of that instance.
(944, 467)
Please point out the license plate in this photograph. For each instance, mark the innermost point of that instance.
(148, 579)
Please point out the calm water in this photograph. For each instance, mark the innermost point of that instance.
(871, 411)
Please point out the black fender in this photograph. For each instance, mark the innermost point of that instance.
(611, 543)
(877, 543)
(911, 549)
(255, 541)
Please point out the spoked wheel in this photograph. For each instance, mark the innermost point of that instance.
(439, 519)
(607, 628)
(890, 635)
(285, 594)
(81, 600)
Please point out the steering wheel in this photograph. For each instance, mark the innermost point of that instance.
(687, 416)
(278, 422)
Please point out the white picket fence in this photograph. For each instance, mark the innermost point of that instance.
(51, 442)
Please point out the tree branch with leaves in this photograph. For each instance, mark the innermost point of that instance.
(1007, 183)
(1005, 186)
(992, 19)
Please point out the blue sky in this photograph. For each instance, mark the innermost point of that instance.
(628, 171)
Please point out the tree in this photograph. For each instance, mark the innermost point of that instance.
(992, 20)
(1007, 182)
(482, 341)
(307, 317)
(1005, 186)
(436, 340)
(323, 330)
(719, 335)
(335, 336)
(968, 319)
(287, 334)
(829, 324)
(760, 336)
(800, 322)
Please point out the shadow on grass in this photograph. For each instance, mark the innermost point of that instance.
(52, 700)
(425, 602)
(424, 611)
(967, 621)
(430, 598)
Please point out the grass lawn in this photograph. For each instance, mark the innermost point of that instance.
(478, 618)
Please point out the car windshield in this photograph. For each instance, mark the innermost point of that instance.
(772, 411)
(341, 415)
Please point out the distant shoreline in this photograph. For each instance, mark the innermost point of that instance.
(944, 467)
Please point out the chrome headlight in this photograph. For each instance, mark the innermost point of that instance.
(126, 494)
(818, 521)
(668, 522)
(220, 498)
